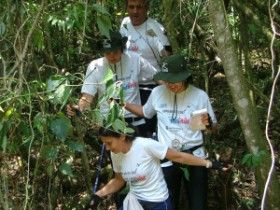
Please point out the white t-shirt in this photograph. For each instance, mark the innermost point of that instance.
(148, 40)
(127, 71)
(174, 115)
(140, 167)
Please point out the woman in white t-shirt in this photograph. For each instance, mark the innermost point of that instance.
(136, 160)
(174, 104)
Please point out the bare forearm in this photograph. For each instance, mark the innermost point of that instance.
(185, 158)
(111, 187)
(135, 109)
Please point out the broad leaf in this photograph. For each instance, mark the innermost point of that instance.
(49, 152)
(66, 169)
(104, 25)
(76, 146)
(61, 127)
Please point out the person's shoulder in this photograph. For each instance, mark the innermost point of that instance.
(197, 91)
(159, 88)
(144, 142)
(125, 21)
(127, 54)
(95, 63)
(153, 22)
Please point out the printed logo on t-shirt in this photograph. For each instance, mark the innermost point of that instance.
(133, 46)
(180, 120)
(132, 176)
(130, 85)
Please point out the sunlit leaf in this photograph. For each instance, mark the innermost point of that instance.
(104, 25)
(58, 89)
(9, 112)
(119, 125)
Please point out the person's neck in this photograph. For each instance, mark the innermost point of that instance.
(139, 25)
(127, 147)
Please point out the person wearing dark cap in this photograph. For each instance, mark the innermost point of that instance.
(174, 103)
(148, 38)
(126, 67)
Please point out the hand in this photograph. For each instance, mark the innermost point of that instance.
(94, 202)
(73, 110)
(206, 120)
(221, 166)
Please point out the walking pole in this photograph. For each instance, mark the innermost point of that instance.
(99, 167)
(94, 199)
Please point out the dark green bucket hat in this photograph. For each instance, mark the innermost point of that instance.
(116, 41)
(174, 69)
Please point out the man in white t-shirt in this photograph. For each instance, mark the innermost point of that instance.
(126, 67)
(148, 38)
(174, 104)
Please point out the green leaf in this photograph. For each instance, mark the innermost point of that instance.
(76, 146)
(58, 90)
(61, 127)
(119, 125)
(9, 112)
(113, 113)
(100, 9)
(97, 117)
(40, 122)
(253, 160)
(109, 76)
(49, 152)
(104, 25)
(66, 169)
(186, 172)
(38, 39)
(246, 159)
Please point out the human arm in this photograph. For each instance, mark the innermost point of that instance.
(135, 109)
(185, 158)
(84, 103)
(112, 186)
(189, 159)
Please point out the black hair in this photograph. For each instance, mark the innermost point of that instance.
(110, 132)
(146, 2)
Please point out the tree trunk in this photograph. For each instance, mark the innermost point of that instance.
(246, 112)
(169, 7)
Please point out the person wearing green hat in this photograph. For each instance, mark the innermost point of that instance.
(174, 103)
(126, 67)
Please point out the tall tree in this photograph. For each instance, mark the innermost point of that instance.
(246, 112)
